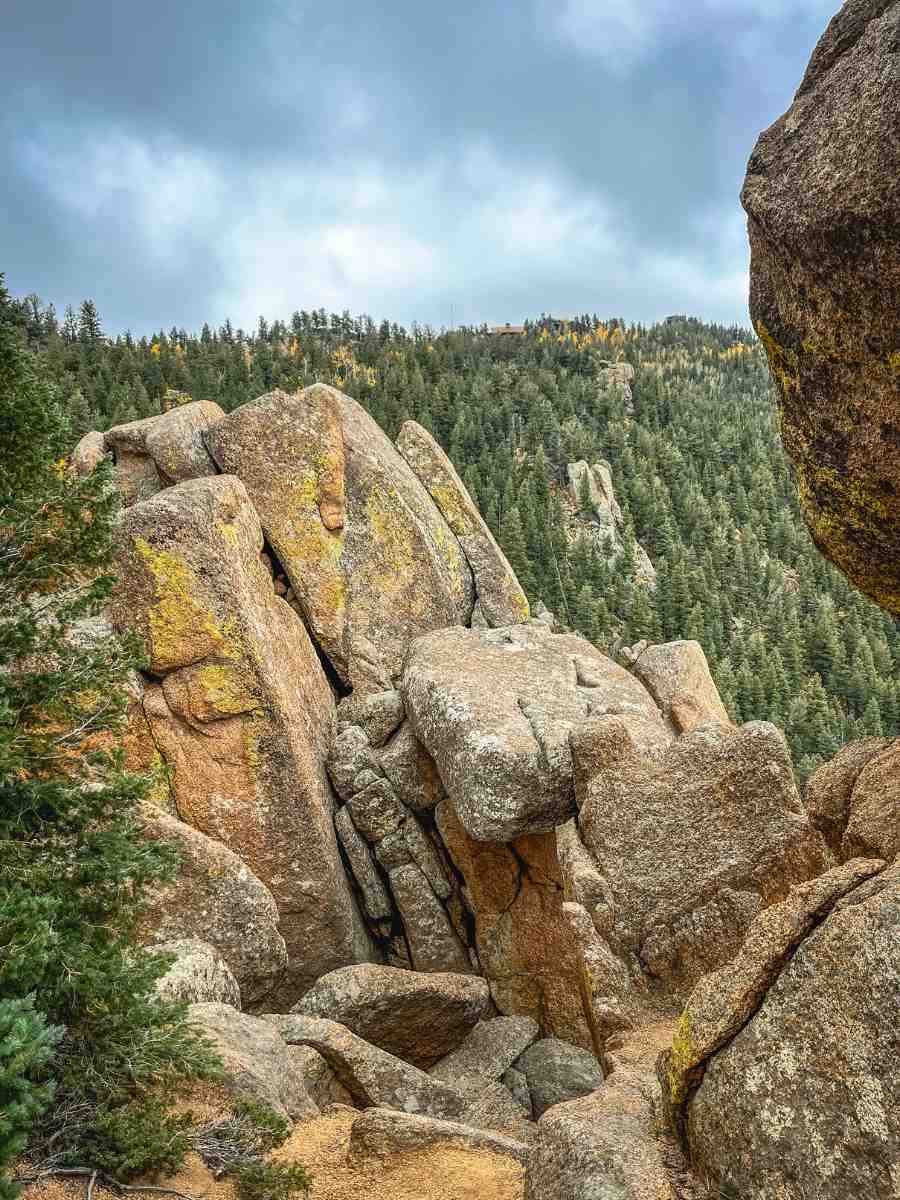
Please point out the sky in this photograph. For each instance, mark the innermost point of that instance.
(183, 161)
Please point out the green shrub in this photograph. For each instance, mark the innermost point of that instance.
(26, 1045)
(271, 1127)
(138, 1138)
(259, 1180)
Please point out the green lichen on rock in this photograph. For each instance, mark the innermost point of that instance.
(182, 629)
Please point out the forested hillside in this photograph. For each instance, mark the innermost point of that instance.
(698, 469)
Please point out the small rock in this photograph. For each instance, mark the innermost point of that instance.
(378, 715)
(432, 940)
(557, 1072)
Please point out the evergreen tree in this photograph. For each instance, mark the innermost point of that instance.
(73, 867)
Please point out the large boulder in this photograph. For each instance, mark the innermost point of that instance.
(525, 944)
(693, 838)
(416, 1016)
(155, 452)
(216, 898)
(823, 197)
(244, 714)
(783, 1072)
(829, 788)
(494, 707)
(498, 593)
(199, 973)
(603, 1146)
(557, 1071)
(256, 1062)
(371, 1076)
(371, 559)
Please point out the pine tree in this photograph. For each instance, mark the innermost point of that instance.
(73, 867)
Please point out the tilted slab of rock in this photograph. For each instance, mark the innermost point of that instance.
(494, 709)
(823, 197)
(804, 1100)
(376, 902)
(244, 714)
(724, 1001)
(495, 1108)
(199, 973)
(488, 1052)
(156, 452)
(433, 942)
(369, 556)
(525, 946)
(372, 1076)
(255, 1059)
(694, 841)
(829, 788)
(384, 1133)
(677, 677)
(499, 593)
(217, 898)
(416, 1016)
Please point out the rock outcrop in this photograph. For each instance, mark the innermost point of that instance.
(243, 715)
(782, 1077)
(596, 513)
(366, 550)
(823, 198)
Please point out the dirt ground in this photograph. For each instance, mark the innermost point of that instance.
(321, 1145)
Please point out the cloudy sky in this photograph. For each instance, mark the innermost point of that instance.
(191, 160)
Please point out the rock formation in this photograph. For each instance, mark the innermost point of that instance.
(467, 867)
(823, 196)
(601, 521)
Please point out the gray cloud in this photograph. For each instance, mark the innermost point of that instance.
(489, 160)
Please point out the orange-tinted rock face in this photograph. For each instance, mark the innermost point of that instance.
(525, 946)
(244, 714)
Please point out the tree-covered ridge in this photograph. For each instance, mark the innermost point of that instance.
(699, 473)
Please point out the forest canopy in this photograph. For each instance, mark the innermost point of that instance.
(698, 468)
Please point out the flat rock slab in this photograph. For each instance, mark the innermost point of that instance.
(488, 1052)
(494, 709)
(384, 1134)
(415, 1016)
(372, 1076)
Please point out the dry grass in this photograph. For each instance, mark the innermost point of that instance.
(321, 1145)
